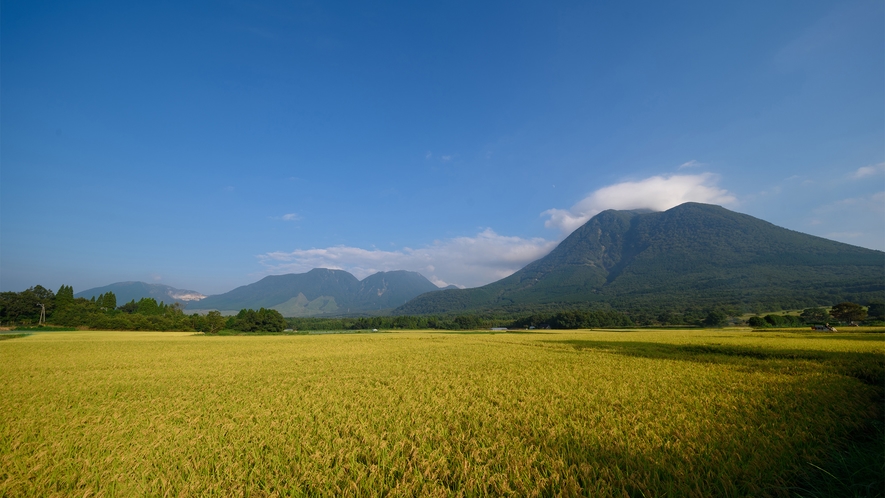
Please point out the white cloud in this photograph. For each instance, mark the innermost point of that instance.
(657, 193)
(866, 171)
(290, 217)
(873, 204)
(691, 164)
(488, 256)
(463, 261)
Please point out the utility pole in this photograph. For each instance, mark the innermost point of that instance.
(42, 314)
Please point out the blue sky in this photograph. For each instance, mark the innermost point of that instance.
(205, 145)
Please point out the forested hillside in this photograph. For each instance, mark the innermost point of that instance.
(693, 256)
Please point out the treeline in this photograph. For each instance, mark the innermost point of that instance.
(405, 322)
(843, 313)
(575, 320)
(102, 313)
(552, 318)
(562, 320)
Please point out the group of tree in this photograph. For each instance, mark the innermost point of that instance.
(569, 319)
(102, 312)
(401, 322)
(845, 313)
(575, 319)
(24, 307)
(263, 320)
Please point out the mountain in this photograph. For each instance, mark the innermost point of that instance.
(691, 256)
(127, 291)
(391, 289)
(322, 292)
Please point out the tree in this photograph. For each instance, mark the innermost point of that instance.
(214, 321)
(783, 320)
(716, 319)
(757, 322)
(848, 312)
(148, 306)
(815, 315)
(64, 297)
(130, 307)
(264, 320)
(876, 310)
(106, 302)
(110, 301)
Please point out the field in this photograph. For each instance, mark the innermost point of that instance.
(630, 413)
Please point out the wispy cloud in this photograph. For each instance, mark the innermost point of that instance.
(443, 158)
(287, 217)
(844, 235)
(873, 204)
(462, 261)
(867, 171)
(856, 220)
(691, 164)
(657, 193)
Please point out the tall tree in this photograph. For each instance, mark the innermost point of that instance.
(148, 306)
(815, 315)
(64, 297)
(109, 302)
(214, 321)
(848, 312)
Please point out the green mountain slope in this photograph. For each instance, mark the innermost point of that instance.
(322, 292)
(386, 290)
(277, 289)
(693, 255)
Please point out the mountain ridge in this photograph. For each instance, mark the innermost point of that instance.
(322, 291)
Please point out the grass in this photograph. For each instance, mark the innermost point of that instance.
(6, 335)
(637, 413)
(44, 328)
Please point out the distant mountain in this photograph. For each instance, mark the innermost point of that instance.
(691, 256)
(127, 291)
(322, 292)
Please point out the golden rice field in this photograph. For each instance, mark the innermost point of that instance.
(632, 413)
